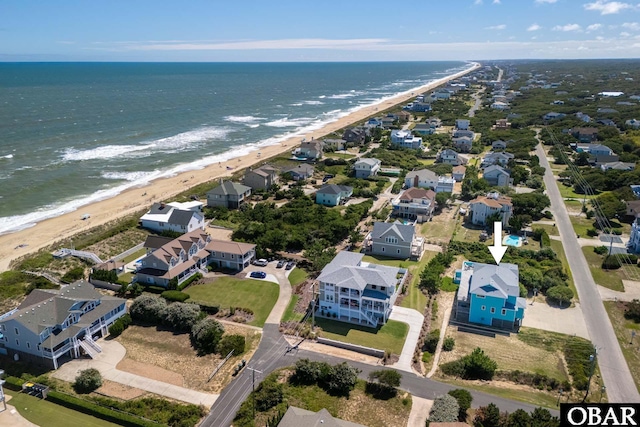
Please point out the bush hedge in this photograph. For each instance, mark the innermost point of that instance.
(233, 342)
(87, 381)
(189, 281)
(120, 325)
(174, 296)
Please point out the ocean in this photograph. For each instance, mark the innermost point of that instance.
(75, 133)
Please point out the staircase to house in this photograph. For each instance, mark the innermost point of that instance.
(88, 349)
(372, 320)
(94, 345)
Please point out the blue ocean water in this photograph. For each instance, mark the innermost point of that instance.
(73, 133)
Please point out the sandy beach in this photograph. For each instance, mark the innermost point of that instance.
(45, 233)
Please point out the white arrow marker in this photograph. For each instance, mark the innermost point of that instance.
(497, 250)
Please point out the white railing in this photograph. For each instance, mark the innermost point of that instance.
(8, 313)
(92, 343)
(87, 348)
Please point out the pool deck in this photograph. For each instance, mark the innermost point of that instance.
(506, 241)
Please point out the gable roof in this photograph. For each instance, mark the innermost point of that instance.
(302, 168)
(347, 268)
(492, 202)
(495, 168)
(459, 169)
(422, 174)
(368, 161)
(296, 417)
(335, 189)
(229, 187)
(264, 171)
(417, 193)
(229, 247)
(402, 231)
(499, 281)
(179, 217)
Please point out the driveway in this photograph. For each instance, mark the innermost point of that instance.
(568, 321)
(631, 292)
(112, 353)
(414, 319)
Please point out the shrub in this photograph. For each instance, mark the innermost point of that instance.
(383, 383)
(431, 341)
(269, 394)
(632, 311)
(189, 281)
(445, 409)
(73, 275)
(448, 343)
(308, 372)
(611, 262)
(628, 258)
(560, 294)
(105, 275)
(464, 399)
(231, 342)
(120, 325)
(342, 379)
(592, 232)
(87, 381)
(601, 250)
(148, 309)
(474, 366)
(181, 316)
(206, 335)
(175, 296)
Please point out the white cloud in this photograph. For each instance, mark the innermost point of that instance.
(477, 2)
(594, 27)
(607, 8)
(534, 27)
(624, 34)
(568, 27)
(633, 26)
(495, 2)
(496, 27)
(546, 1)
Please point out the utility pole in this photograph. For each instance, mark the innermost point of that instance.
(592, 360)
(253, 388)
(313, 306)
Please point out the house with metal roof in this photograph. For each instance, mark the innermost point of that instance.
(176, 217)
(489, 295)
(261, 178)
(366, 167)
(356, 291)
(394, 240)
(54, 324)
(228, 194)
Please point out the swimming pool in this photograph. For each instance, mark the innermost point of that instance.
(512, 240)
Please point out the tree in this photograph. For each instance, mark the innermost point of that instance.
(342, 379)
(148, 309)
(582, 159)
(464, 399)
(560, 294)
(309, 372)
(206, 335)
(233, 342)
(445, 409)
(519, 418)
(87, 381)
(386, 378)
(181, 316)
(269, 393)
(442, 199)
(611, 206)
(541, 417)
(487, 416)
(479, 366)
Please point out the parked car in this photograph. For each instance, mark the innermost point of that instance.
(261, 262)
(290, 265)
(280, 263)
(258, 274)
(327, 177)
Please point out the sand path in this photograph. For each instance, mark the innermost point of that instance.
(45, 233)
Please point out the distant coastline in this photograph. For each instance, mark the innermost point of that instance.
(112, 204)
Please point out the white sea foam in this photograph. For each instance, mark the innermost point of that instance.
(313, 102)
(7, 156)
(172, 144)
(127, 176)
(305, 126)
(286, 122)
(243, 119)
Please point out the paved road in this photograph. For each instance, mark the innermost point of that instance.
(613, 367)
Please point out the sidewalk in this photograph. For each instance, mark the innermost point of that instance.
(12, 418)
(414, 319)
(106, 362)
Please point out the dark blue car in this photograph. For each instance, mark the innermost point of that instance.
(258, 274)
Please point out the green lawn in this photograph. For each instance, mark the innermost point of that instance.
(391, 262)
(339, 155)
(557, 247)
(257, 295)
(611, 279)
(44, 413)
(297, 276)
(416, 299)
(567, 192)
(550, 229)
(134, 256)
(623, 329)
(466, 233)
(389, 337)
(581, 225)
(438, 231)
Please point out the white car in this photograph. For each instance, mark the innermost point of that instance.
(261, 262)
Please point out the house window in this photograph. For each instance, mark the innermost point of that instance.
(374, 287)
(493, 310)
(504, 311)
(398, 250)
(232, 256)
(391, 240)
(383, 249)
(28, 345)
(17, 332)
(480, 296)
(18, 343)
(483, 308)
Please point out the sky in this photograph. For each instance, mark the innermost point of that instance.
(320, 30)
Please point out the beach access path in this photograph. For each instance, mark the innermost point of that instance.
(46, 233)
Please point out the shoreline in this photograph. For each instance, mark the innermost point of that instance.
(46, 232)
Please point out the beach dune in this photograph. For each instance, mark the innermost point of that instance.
(20, 243)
